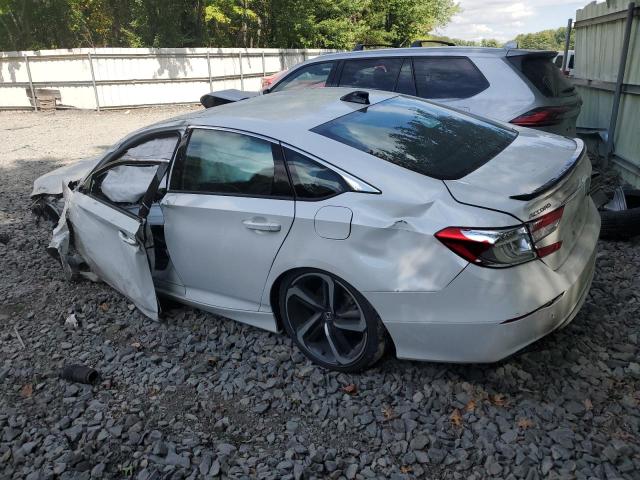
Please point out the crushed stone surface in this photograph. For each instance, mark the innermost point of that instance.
(200, 396)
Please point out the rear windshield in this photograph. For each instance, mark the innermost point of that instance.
(544, 75)
(420, 136)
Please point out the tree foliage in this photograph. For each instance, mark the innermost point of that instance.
(40, 24)
(546, 39)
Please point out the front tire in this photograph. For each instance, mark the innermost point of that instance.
(330, 321)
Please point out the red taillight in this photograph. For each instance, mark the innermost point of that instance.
(544, 226)
(504, 247)
(458, 242)
(541, 117)
(489, 247)
(549, 249)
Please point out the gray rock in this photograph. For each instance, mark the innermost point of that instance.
(73, 433)
(98, 470)
(226, 449)
(419, 442)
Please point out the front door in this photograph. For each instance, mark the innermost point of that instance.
(227, 212)
(108, 215)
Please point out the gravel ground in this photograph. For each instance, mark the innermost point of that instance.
(200, 396)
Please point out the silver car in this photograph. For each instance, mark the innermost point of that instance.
(523, 87)
(352, 220)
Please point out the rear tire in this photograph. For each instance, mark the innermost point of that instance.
(623, 224)
(330, 321)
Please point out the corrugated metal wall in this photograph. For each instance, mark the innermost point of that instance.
(597, 51)
(138, 76)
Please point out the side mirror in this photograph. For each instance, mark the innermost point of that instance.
(266, 90)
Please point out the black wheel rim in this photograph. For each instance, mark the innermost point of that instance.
(326, 318)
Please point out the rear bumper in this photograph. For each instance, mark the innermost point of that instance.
(485, 315)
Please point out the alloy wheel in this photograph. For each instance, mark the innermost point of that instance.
(326, 318)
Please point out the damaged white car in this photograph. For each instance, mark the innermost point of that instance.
(349, 219)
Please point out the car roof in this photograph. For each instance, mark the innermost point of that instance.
(285, 115)
(475, 52)
(424, 51)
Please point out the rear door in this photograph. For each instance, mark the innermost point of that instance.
(108, 215)
(227, 212)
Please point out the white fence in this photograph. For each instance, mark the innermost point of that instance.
(104, 78)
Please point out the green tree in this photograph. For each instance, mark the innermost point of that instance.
(546, 39)
(39, 24)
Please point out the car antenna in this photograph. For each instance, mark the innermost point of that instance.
(359, 96)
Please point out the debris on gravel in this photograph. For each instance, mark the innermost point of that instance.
(200, 396)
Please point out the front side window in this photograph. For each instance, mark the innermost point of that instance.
(378, 73)
(311, 180)
(448, 77)
(311, 76)
(420, 136)
(229, 163)
(126, 178)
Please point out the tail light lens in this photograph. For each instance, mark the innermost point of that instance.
(503, 247)
(544, 226)
(541, 117)
(489, 247)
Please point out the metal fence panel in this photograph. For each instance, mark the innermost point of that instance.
(121, 77)
(599, 37)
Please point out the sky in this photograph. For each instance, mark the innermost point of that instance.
(504, 19)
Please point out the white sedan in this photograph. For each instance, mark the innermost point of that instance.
(352, 220)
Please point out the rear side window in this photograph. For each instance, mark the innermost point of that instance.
(311, 180)
(544, 75)
(420, 136)
(378, 73)
(448, 77)
(311, 76)
(232, 164)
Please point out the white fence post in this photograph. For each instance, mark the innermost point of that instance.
(93, 81)
(33, 92)
(241, 74)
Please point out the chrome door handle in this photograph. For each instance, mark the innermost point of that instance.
(127, 239)
(262, 226)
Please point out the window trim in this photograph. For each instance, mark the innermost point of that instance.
(276, 159)
(413, 77)
(447, 57)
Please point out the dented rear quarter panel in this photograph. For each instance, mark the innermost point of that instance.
(391, 246)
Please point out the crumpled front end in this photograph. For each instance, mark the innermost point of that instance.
(48, 189)
(61, 245)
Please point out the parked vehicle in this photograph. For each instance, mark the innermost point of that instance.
(522, 87)
(569, 67)
(349, 219)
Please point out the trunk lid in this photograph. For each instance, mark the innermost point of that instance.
(537, 174)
